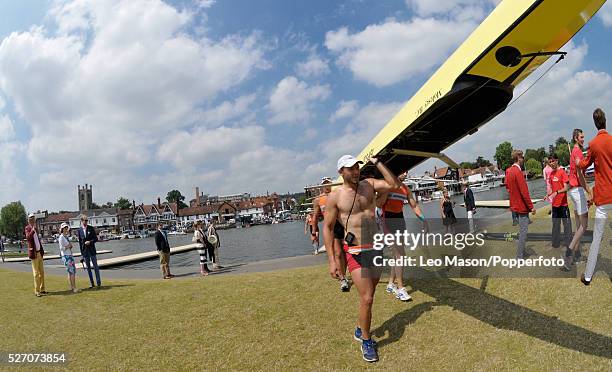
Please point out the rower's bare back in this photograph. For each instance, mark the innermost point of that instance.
(362, 221)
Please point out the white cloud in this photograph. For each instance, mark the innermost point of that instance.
(387, 53)
(314, 66)
(210, 146)
(364, 125)
(7, 132)
(606, 14)
(292, 100)
(115, 78)
(228, 111)
(393, 51)
(205, 3)
(345, 109)
(451, 8)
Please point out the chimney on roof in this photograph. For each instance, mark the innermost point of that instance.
(197, 196)
(158, 202)
(133, 204)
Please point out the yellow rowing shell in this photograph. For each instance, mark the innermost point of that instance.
(477, 81)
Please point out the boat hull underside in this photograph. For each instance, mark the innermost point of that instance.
(472, 102)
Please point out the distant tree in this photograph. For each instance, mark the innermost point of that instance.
(533, 167)
(123, 203)
(482, 162)
(503, 155)
(560, 141)
(175, 196)
(562, 151)
(108, 205)
(94, 205)
(13, 219)
(466, 165)
(551, 150)
(538, 154)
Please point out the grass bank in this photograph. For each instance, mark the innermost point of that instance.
(298, 319)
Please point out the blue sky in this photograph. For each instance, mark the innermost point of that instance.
(139, 97)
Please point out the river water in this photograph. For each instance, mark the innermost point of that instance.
(287, 239)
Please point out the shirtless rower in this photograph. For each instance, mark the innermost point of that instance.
(319, 205)
(353, 204)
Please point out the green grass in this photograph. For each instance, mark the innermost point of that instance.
(298, 319)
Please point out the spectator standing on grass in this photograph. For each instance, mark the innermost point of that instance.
(600, 153)
(546, 173)
(163, 250)
(199, 238)
(470, 204)
(559, 183)
(520, 200)
(212, 238)
(580, 194)
(36, 253)
(87, 242)
(448, 215)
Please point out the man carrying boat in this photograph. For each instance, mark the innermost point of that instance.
(335, 252)
(353, 204)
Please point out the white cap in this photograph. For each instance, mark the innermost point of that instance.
(347, 161)
(63, 225)
(31, 215)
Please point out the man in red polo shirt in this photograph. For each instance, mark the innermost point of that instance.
(520, 200)
(600, 153)
(559, 185)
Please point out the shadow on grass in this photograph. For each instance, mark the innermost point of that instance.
(87, 289)
(227, 269)
(499, 313)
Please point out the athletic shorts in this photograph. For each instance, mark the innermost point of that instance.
(363, 259)
(394, 222)
(338, 231)
(579, 199)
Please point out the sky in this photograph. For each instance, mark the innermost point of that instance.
(139, 97)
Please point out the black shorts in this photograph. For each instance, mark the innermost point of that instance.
(395, 222)
(338, 231)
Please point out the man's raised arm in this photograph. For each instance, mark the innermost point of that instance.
(390, 180)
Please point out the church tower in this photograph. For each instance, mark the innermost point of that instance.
(85, 198)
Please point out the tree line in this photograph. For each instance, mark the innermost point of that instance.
(534, 158)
